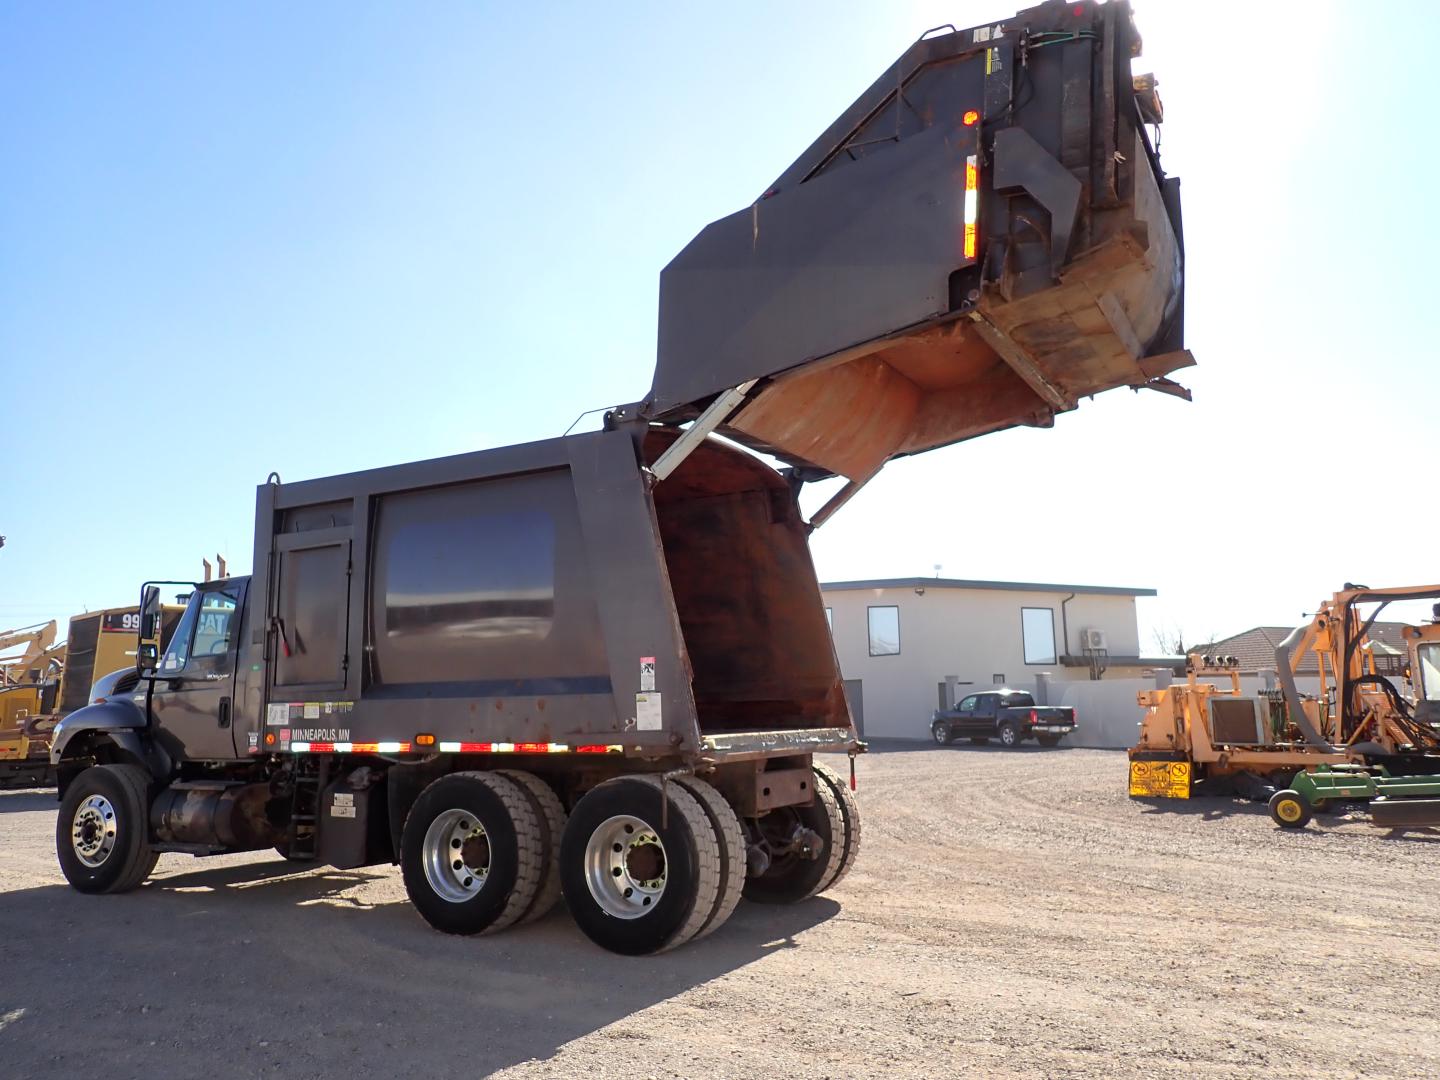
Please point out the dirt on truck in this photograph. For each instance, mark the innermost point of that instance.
(517, 674)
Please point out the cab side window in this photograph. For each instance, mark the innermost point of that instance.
(968, 705)
(205, 633)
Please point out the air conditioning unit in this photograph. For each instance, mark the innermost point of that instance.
(1093, 640)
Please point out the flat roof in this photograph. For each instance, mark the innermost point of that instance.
(1001, 586)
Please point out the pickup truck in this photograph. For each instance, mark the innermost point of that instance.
(1008, 715)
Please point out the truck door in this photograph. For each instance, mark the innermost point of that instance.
(983, 719)
(966, 709)
(194, 689)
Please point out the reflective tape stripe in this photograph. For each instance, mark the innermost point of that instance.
(972, 205)
(452, 748)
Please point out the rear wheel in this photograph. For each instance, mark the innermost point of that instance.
(806, 846)
(641, 865)
(1009, 735)
(550, 814)
(732, 851)
(472, 853)
(102, 833)
(849, 813)
(1289, 809)
(942, 735)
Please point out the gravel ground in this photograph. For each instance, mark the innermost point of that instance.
(1012, 915)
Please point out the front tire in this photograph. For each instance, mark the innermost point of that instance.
(102, 832)
(640, 877)
(472, 853)
(942, 734)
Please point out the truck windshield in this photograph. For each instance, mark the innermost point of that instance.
(1429, 657)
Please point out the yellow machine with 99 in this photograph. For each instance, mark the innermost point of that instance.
(48, 681)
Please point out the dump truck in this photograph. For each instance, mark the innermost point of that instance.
(598, 665)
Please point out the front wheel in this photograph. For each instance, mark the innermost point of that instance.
(941, 733)
(1009, 735)
(102, 833)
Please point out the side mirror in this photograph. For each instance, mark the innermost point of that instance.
(147, 655)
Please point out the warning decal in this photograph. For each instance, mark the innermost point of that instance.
(647, 712)
(1159, 779)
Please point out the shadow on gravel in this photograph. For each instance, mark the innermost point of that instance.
(260, 969)
(27, 799)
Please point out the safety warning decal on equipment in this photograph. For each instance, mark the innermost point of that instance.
(647, 674)
(647, 712)
(343, 805)
(280, 713)
(1159, 779)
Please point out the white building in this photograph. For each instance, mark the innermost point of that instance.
(898, 639)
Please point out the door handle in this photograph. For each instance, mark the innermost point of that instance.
(224, 712)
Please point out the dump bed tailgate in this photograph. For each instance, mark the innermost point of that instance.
(984, 237)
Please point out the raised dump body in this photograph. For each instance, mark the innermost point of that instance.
(983, 238)
(599, 665)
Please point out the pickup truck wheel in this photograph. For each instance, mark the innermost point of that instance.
(800, 864)
(1048, 740)
(472, 853)
(1009, 735)
(640, 876)
(849, 813)
(942, 734)
(102, 832)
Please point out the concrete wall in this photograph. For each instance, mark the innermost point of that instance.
(972, 633)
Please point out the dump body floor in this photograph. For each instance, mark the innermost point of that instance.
(1013, 914)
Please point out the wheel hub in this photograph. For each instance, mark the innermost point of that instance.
(625, 866)
(92, 830)
(456, 856)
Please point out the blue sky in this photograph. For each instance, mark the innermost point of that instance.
(323, 237)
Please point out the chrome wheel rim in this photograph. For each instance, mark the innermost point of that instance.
(92, 831)
(1007, 736)
(939, 735)
(456, 855)
(625, 867)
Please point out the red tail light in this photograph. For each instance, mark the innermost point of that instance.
(1033, 716)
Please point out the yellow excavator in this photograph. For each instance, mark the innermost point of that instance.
(1359, 736)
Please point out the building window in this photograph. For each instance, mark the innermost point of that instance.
(1037, 627)
(830, 619)
(884, 631)
(998, 679)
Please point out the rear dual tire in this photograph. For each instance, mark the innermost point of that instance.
(644, 867)
(473, 853)
(834, 816)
